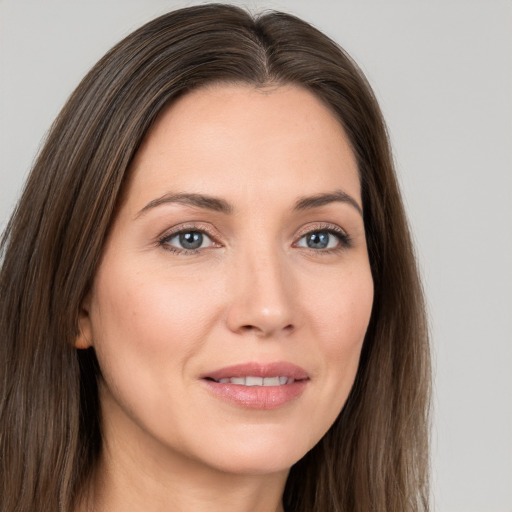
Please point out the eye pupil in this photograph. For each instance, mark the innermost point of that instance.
(318, 240)
(191, 240)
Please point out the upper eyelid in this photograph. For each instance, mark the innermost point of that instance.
(322, 226)
(193, 226)
(215, 237)
(185, 227)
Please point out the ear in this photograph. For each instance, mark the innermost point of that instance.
(84, 337)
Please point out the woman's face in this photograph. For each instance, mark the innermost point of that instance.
(234, 291)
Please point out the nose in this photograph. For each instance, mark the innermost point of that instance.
(262, 299)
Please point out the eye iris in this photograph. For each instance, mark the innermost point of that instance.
(191, 240)
(318, 240)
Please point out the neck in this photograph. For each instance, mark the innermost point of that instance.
(124, 482)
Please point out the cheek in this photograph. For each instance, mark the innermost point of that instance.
(341, 316)
(140, 317)
(343, 310)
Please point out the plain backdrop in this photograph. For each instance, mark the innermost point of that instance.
(442, 71)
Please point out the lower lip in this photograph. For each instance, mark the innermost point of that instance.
(257, 397)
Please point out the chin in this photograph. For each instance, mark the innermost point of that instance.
(261, 456)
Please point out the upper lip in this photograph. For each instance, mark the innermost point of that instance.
(255, 369)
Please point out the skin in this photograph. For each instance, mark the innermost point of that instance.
(160, 318)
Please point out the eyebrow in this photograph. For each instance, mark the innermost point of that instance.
(319, 200)
(222, 206)
(199, 200)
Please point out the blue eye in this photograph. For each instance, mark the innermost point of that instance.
(188, 240)
(324, 239)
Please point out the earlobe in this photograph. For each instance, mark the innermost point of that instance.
(83, 338)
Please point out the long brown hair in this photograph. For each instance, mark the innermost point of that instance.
(375, 456)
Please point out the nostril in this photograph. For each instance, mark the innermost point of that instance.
(248, 328)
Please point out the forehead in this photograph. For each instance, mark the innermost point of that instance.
(226, 139)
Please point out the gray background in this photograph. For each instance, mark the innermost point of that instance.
(442, 71)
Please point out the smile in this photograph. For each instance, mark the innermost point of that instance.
(257, 386)
(257, 381)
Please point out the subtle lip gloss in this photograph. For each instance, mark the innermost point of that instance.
(257, 396)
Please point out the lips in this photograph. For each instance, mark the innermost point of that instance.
(257, 386)
(267, 370)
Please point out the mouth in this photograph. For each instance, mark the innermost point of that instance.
(258, 386)
(251, 380)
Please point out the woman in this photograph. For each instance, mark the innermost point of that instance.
(209, 295)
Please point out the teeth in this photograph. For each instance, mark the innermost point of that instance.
(257, 381)
(253, 381)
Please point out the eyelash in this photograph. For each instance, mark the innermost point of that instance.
(345, 242)
(164, 240)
